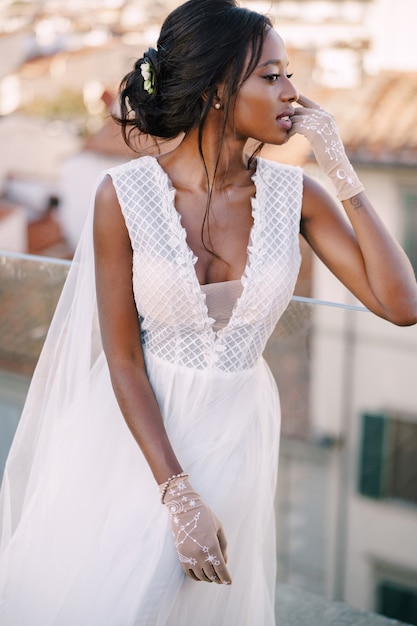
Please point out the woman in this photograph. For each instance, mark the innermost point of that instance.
(196, 256)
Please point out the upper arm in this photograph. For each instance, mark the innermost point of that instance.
(331, 236)
(118, 315)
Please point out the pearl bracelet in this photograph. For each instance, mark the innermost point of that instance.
(164, 487)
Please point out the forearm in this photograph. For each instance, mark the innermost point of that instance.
(369, 261)
(389, 271)
(120, 334)
(143, 417)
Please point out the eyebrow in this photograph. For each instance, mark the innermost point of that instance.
(271, 62)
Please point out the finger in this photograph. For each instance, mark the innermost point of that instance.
(192, 575)
(307, 102)
(214, 578)
(222, 573)
(221, 570)
(206, 577)
(210, 575)
(301, 113)
(223, 543)
(297, 128)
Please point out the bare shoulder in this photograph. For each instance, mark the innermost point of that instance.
(109, 223)
(106, 196)
(107, 210)
(316, 199)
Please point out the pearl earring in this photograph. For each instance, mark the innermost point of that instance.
(218, 106)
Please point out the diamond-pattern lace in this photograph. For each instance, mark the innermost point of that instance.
(174, 320)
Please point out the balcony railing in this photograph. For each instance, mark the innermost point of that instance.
(347, 492)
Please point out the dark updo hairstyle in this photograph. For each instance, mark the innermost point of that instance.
(201, 44)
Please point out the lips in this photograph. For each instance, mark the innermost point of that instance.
(284, 120)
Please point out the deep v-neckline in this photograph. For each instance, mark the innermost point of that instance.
(192, 258)
(172, 193)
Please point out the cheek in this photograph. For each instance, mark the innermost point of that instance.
(251, 103)
(252, 117)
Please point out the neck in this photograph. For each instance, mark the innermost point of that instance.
(225, 160)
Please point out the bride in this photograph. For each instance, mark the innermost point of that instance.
(144, 465)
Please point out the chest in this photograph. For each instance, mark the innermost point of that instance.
(260, 246)
(217, 230)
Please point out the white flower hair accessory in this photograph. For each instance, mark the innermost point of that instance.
(148, 78)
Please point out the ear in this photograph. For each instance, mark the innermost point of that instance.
(220, 93)
(217, 103)
(216, 95)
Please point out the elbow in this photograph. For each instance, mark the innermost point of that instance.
(405, 321)
(404, 316)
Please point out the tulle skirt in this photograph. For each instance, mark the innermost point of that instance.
(93, 546)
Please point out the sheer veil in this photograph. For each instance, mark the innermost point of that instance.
(58, 389)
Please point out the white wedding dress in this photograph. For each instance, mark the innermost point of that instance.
(85, 540)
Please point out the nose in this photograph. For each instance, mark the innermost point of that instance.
(289, 92)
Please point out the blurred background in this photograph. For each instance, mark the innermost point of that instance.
(346, 504)
(61, 63)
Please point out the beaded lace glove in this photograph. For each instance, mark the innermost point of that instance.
(198, 534)
(320, 129)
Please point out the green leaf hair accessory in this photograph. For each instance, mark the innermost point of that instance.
(146, 71)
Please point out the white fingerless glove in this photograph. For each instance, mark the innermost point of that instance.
(320, 129)
(198, 535)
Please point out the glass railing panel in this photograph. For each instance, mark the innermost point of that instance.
(347, 492)
(29, 290)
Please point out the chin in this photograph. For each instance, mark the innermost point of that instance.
(278, 142)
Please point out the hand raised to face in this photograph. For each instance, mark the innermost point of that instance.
(319, 128)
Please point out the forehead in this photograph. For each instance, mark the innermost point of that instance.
(273, 49)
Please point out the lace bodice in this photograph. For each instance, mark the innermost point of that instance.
(220, 300)
(175, 324)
